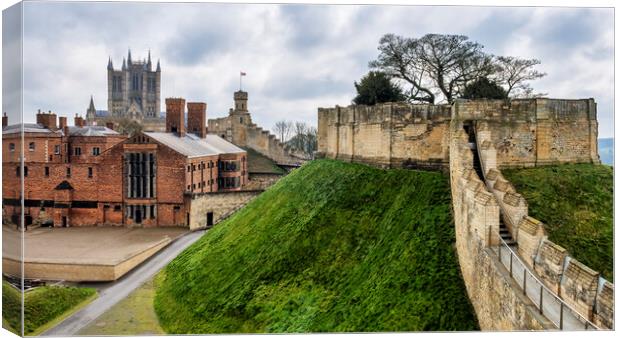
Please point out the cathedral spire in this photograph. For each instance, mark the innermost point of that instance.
(124, 66)
(91, 106)
(129, 56)
(148, 62)
(110, 67)
(158, 67)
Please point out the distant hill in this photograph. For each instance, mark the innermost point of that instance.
(606, 150)
(331, 247)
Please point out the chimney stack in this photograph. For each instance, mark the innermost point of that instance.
(196, 118)
(5, 120)
(47, 120)
(78, 121)
(62, 122)
(175, 116)
(109, 125)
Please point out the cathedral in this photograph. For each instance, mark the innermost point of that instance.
(133, 94)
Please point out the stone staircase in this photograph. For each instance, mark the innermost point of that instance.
(504, 233)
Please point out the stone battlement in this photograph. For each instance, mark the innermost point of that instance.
(525, 132)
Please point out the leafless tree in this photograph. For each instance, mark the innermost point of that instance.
(283, 130)
(434, 64)
(514, 73)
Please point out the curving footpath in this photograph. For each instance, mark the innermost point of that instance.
(113, 292)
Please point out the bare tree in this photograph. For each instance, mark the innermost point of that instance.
(514, 72)
(283, 130)
(434, 64)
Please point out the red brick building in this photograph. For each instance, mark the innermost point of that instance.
(91, 175)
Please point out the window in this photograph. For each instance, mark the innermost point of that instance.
(47, 171)
(11, 146)
(17, 173)
(31, 146)
(57, 149)
(90, 172)
(189, 168)
(117, 208)
(68, 172)
(241, 120)
(189, 187)
(96, 151)
(77, 151)
(25, 171)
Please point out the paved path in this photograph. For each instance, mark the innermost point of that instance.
(113, 292)
(550, 304)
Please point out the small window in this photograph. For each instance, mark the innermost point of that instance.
(96, 151)
(189, 168)
(77, 151)
(194, 186)
(90, 172)
(47, 171)
(117, 208)
(51, 157)
(31, 146)
(25, 171)
(189, 187)
(241, 120)
(106, 206)
(17, 173)
(57, 149)
(11, 146)
(68, 172)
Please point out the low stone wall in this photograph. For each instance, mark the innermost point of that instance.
(79, 272)
(497, 300)
(579, 286)
(262, 181)
(219, 204)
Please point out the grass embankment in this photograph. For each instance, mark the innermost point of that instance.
(330, 247)
(45, 306)
(575, 201)
(259, 163)
(133, 316)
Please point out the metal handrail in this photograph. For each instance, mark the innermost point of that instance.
(563, 304)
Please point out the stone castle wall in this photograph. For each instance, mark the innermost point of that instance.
(239, 130)
(497, 300)
(525, 132)
(576, 284)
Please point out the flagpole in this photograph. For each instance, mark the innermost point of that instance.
(239, 81)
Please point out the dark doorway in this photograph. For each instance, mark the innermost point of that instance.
(64, 222)
(27, 220)
(209, 219)
(138, 217)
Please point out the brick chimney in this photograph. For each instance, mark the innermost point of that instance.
(109, 125)
(47, 120)
(78, 121)
(62, 122)
(175, 116)
(5, 120)
(196, 118)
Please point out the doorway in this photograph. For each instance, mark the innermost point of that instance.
(64, 222)
(138, 215)
(209, 219)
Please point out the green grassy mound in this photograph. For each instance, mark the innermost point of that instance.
(576, 204)
(43, 304)
(330, 247)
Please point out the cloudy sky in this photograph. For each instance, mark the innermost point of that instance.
(297, 57)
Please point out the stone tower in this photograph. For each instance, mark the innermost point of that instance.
(134, 90)
(91, 111)
(240, 118)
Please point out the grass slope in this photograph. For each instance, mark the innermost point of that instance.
(43, 305)
(330, 247)
(576, 204)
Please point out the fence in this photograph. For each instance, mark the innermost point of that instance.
(546, 301)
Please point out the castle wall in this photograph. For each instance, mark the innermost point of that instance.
(219, 204)
(524, 132)
(387, 135)
(576, 284)
(497, 300)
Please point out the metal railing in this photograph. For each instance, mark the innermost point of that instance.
(562, 315)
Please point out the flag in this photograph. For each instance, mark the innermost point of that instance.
(242, 73)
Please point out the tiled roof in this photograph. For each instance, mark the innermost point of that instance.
(73, 131)
(91, 131)
(28, 128)
(191, 145)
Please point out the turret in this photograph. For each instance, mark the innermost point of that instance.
(90, 112)
(110, 67)
(241, 101)
(124, 66)
(148, 62)
(158, 67)
(129, 57)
